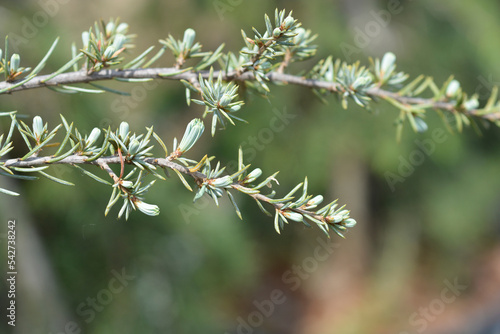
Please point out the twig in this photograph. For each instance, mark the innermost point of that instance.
(154, 73)
(104, 163)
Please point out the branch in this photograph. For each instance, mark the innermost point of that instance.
(102, 162)
(127, 148)
(171, 73)
(282, 209)
(262, 60)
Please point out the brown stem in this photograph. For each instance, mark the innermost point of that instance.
(104, 163)
(109, 74)
(286, 61)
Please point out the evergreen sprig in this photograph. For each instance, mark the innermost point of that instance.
(216, 78)
(261, 61)
(133, 153)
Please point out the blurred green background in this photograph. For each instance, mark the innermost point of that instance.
(197, 268)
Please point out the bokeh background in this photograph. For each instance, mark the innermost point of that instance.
(424, 257)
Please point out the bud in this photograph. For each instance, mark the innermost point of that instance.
(471, 104)
(94, 135)
(387, 64)
(37, 127)
(133, 147)
(14, 63)
(289, 21)
(295, 216)
(277, 32)
(109, 28)
(313, 202)
(349, 222)
(85, 39)
(148, 209)
(119, 41)
(194, 130)
(253, 175)
(122, 28)
(421, 125)
(340, 216)
(225, 100)
(235, 108)
(127, 184)
(301, 34)
(124, 128)
(189, 36)
(110, 50)
(452, 88)
(222, 181)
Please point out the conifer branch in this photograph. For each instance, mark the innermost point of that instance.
(215, 77)
(171, 73)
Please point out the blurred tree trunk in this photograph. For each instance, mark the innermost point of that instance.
(338, 285)
(38, 299)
